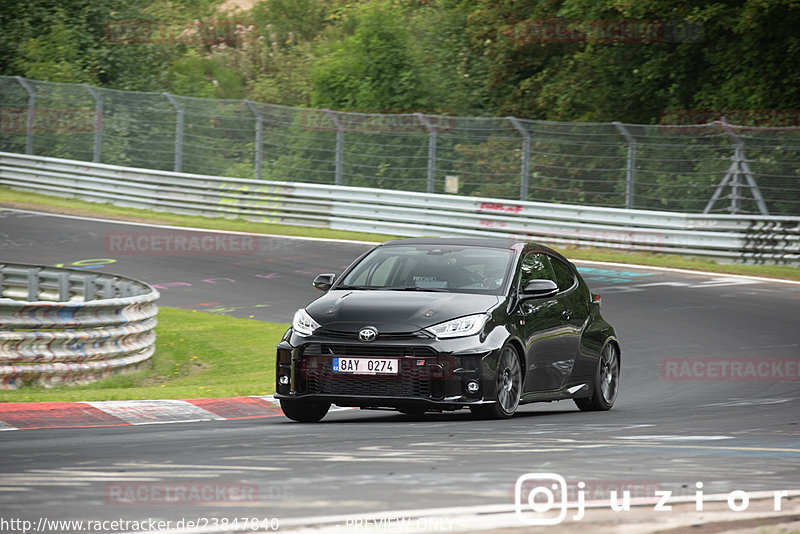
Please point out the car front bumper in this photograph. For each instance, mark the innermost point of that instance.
(432, 374)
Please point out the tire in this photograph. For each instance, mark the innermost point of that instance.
(304, 411)
(606, 382)
(508, 388)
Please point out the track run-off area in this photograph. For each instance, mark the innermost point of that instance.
(709, 411)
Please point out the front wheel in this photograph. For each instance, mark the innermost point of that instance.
(606, 382)
(508, 388)
(304, 411)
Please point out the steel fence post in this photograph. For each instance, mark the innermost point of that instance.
(178, 132)
(526, 157)
(630, 165)
(259, 136)
(431, 152)
(31, 113)
(98, 122)
(337, 179)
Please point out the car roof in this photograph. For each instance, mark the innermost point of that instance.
(495, 242)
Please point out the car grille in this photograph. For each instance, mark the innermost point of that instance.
(352, 336)
(412, 381)
(365, 350)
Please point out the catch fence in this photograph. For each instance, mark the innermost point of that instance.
(710, 168)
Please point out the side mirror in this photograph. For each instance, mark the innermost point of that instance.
(323, 282)
(538, 289)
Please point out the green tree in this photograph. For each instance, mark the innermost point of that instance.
(290, 21)
(372, 69)
(55, 56)
(737, 55)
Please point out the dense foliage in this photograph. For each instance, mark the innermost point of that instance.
(466, 57)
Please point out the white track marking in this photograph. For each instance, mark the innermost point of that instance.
(272, 400)
(6, 426)
(187, 228)
(464, 518)
(675, 438)
(751, 402)
(142, 412)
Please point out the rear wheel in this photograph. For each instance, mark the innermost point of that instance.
(606, 382)
(304, 411)
(508, 387)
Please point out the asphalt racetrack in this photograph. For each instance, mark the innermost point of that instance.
(684, 414)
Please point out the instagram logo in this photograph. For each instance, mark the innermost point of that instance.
(540, 491)
(542, 498)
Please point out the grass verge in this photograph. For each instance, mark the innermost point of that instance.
(198, 355)
(11, 198)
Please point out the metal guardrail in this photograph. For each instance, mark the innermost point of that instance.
(760, 239)
(68, 326)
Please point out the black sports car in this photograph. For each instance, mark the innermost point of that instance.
(422, 325)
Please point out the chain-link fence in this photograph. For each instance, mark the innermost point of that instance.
(713, 168)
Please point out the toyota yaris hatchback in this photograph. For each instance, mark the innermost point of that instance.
(422, 325)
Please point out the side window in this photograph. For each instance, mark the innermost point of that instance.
(535, 266)
(564, 275)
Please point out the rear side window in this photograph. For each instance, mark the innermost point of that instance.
(535, 266)
(565, 278)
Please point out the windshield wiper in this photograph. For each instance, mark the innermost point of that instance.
(417, 288)
(389, 288)
(358, 287)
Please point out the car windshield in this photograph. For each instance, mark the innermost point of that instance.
(451, 268)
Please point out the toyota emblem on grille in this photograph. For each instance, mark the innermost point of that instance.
(367, 334)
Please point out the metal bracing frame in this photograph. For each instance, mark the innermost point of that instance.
(738, 170)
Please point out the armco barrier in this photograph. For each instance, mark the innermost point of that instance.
(68, 326)
(759, 239)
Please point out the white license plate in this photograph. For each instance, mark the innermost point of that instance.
(365, 366)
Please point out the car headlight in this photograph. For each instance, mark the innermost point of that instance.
(303, 324)
(463, 326)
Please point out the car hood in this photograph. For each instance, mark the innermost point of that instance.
(394, 311)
